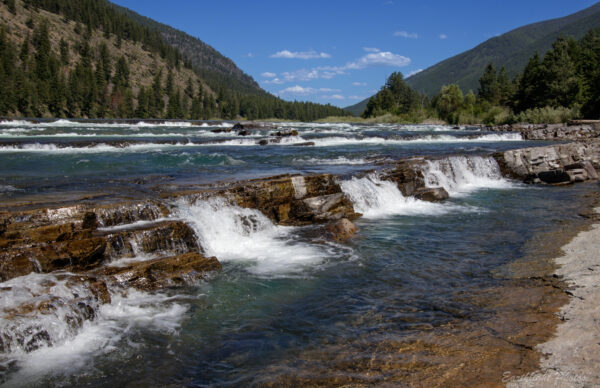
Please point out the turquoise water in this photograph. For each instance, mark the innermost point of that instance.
(63, 156)
(287, 302)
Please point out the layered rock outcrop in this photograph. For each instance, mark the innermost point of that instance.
(572, 130)
(294, 200)
(560, 163)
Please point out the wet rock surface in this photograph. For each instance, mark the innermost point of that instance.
(152, 275)
(295, 200)
(341, 230)
(94, 242)
(561, 163)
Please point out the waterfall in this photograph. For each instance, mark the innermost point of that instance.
(232, 233)
(461, 175)
(376, 198)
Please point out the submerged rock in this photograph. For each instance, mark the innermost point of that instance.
(251, 125)
(341, 230)
(286, 133)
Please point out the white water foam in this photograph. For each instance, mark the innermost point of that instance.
(68, 347)
(232, 233)
(376, 198)
(341, 141)
(61, 123)
(8, 189)
(98, 148)
(340, 160)
(461, 175)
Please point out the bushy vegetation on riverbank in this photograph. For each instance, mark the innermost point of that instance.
(563, 85)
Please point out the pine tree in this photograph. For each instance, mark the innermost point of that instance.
(64, 52)
(530, 93)
(24, 52)
(589, 70)
(489, 88)
(121, 77)
(170, 83)
(10, 4)
(561, 84)
(506, 89)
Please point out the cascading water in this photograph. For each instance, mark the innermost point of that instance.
(52, 324)
(460, 175)
(232, 233)
(375, 198)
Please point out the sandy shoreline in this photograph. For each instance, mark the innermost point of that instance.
(572, 356)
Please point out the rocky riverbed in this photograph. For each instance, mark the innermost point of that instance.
(85, 253)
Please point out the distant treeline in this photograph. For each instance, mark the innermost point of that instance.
(36, 81)
(564, 84)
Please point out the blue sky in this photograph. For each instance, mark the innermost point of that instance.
(340, 52)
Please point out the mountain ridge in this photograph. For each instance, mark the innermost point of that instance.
(511, 49)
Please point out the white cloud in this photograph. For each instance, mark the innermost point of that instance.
(384, 58)
(404, 34)
(296, 90)
(356, 98)
(300, 55)
(249, 55)
(274, 81)
(414, 72)
(371, 49)
(443, 36)
(334, 97)
(359, 84)
(268, 74)
(308, 90)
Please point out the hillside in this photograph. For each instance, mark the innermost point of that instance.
(512, 50)
(21, 27)
(90, 59)
(211, 64)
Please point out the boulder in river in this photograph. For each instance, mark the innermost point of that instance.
(432, 194)
(341, 230)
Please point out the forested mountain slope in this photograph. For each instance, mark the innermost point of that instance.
(89, 58)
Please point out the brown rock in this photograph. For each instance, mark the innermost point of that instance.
(408, 175)
(90, 221)
(295, 200)
(164, 272)
(433, 194)
(14, 264)
(341, 230)
(288, 133)
(73, 255)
